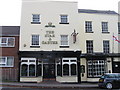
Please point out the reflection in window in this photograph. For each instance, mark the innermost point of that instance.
(73, 69)
(65, 69)
(24, 70)
(39, 70)
(32, 70)
(58, 70)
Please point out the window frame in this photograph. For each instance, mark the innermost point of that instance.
(66, 19)
(7, 42)
(35, 46)
(88, 27)
(64, 41)
(104, 27)
(28, 63)
(6, 61)
(96, 70)
(38, 19)
(106, 49)
(91, 48)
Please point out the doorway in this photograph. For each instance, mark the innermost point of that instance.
(48, 71)
(116, 67)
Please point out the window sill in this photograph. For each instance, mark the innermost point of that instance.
(35, 22)
(34, 46)
(106, 32)
(63, 23)
(64, 46)
(89, 32)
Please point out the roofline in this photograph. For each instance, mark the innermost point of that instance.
(107, 12)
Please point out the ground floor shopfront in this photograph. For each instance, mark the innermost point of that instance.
(66, 66)
(63, 66)
(96, 64)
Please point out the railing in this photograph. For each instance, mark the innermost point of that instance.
(9, 74)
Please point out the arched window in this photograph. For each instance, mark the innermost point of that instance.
(65, 69)
(73, 69)
(32, 70)
(24, 70)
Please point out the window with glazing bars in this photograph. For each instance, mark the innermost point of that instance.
(88, 26)
(35, 40)
(106, 46)
(89, 46)
(104, 26)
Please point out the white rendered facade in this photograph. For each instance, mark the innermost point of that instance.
(53, 35)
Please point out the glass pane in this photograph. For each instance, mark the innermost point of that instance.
(32, 70)
(10, 61)
(11, 41)
(24, 70)
(65, 69)
(35, 39)
(73, 69)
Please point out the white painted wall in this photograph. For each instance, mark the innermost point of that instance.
(50, 11)
(98, 36)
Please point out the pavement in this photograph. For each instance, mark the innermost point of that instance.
(49, 85)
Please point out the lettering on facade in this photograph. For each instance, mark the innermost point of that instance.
(49, 35)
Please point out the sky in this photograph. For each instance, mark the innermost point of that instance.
(10, 10)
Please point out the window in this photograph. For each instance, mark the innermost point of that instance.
(73, 69)
(89, 46)
(64, 19)
(64, 40)
(106, 46)
(96, 68)
(35, 19)
(119, 27)
(7, 41)
(88, 26)
(70, 67)
(105, 27)
(6, 61)
(24, 70)
(31, 70)
(35, 40)
(28, 68)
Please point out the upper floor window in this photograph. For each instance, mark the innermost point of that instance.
(6, 61)
(119, 27)
(35, 40)
(105, 27)
(35, 19)
(64, 40)
(89, 46)
(88, 26)
(106, 46)
(64, 19)
(7, 41)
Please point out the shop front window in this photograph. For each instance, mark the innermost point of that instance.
(65, 69)
(28, 67)
(73, 69)
(96, 68)
(31, 70)
(24, 70)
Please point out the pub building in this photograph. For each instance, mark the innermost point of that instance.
(49, 42)
(60, 42)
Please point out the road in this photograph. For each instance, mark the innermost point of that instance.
(14, 88)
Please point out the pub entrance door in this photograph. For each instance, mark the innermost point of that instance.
(48, 71)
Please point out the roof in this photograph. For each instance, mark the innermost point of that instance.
(9, 30)
(96, 11)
